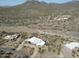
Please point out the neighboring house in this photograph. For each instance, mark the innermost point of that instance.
(62, 17)
(72, 45)
(12, 37)
(8, 37)
(36, 41)
(68, 48)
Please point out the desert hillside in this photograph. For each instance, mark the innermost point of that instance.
(41, 15)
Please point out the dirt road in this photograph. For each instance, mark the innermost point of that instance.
(49, 32)
(20, 46)
(36, 49)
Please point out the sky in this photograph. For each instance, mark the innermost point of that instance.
(16, 2)
(56, 1)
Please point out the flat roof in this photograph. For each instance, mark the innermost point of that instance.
(36, 41)
(72, 45)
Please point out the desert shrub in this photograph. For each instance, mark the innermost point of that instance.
(24, 35)
(41, 50)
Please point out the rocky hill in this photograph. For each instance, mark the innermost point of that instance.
(35, 14)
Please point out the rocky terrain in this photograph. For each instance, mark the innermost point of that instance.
(35, 14)
(57, 24)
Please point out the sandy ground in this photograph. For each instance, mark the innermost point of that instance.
(48, 32)
(36, 49)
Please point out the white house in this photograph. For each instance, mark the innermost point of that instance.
(72, 45)
(11, 37)
(62, 17)
(68, 48)
(8, 37)
(36, 41)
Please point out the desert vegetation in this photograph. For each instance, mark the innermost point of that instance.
(41, 16)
